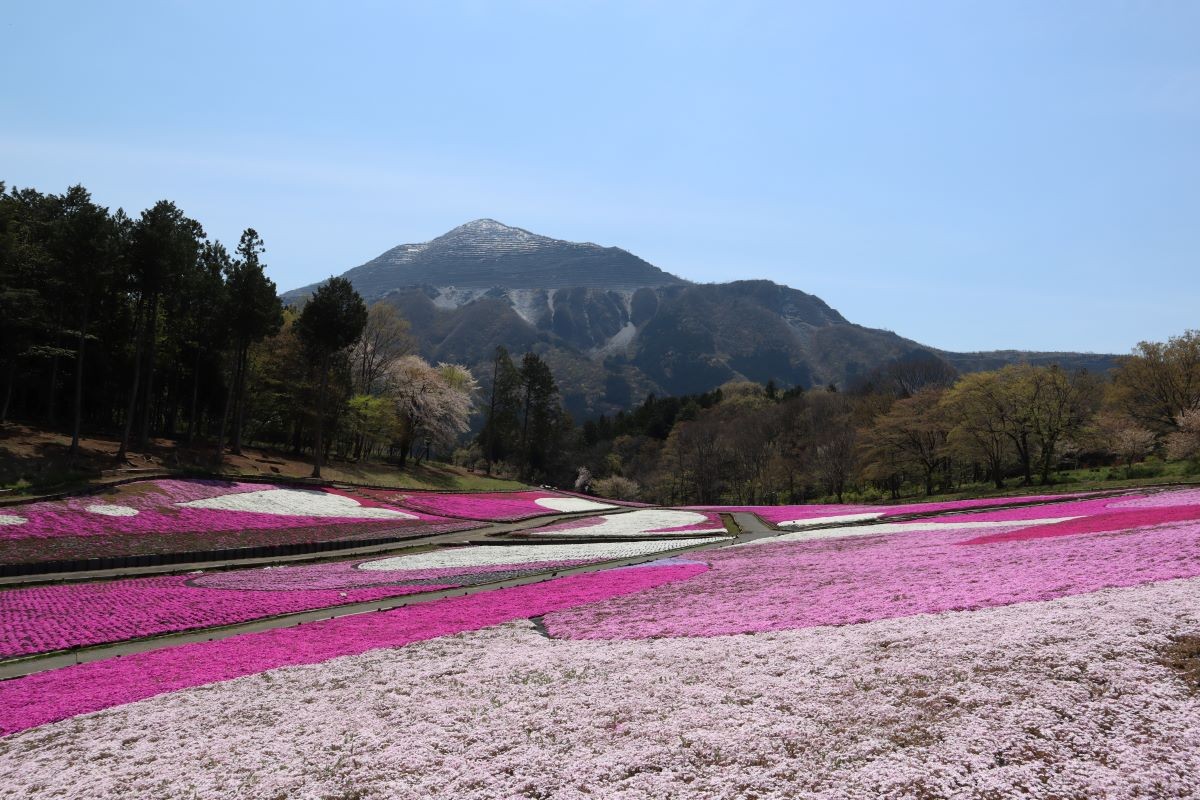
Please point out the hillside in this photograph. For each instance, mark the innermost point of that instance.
(615, 327)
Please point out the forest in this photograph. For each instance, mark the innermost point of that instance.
(143, 327)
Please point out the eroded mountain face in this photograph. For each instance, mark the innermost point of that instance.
(615, 327)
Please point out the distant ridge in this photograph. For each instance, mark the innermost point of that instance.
(615, 328)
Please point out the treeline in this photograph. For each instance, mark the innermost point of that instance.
(145, 328)
(913, 427)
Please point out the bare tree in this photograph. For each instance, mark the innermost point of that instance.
(384, 339)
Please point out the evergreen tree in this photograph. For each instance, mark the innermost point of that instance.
(254, 313)
(331, 321)
(500, 435)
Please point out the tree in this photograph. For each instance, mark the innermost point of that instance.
(385, 338)
(500, 433)
(913, 433)
(163, 245)
(254, 313)
(1059, 404)
(1159, 382)
(331, 321)
(978, 431)
(23, 259)
(542, 417)
(84, 245)
(834, 452)
(434, 404)
(1184, 443)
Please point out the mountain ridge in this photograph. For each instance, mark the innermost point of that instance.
(615, 328)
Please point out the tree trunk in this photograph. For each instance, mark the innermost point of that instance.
(131, 408)
(8, 390)
(319, 449)
(149, 352)
(77, 422)
(220, 454)
(50, 415)
(240, 399)
(191, 434)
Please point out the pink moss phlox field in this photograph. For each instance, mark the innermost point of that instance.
(1096, 523)
(1065, 699)
(858, 579)
(1097, 515)
(347, 575)
(1177, 497)
(45, 618)
(483, 506)
(157, 508)
(778, 514)
(48, 696)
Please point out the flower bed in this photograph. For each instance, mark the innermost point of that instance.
(837, 581)
(166, 516)
(489, 555)
(488, 506)
(49, 696)
(650, 522)
(1059, 699)
(806, 515)
(46, 618)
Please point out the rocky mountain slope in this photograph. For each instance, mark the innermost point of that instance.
(615, 327)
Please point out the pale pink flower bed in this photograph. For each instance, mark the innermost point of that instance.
(778, 514)
(58, 694)
(489, 506)
(855, 579)
(1062, 699)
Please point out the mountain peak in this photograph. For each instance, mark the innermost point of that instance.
(486, 254)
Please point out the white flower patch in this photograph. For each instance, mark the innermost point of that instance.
(12, 519)
(835, 520)
(491, 555)
(902, 527)
(112, 510)
(643, 522)
(571, 504)
(296, 503)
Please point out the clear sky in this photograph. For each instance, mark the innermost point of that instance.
(971, 175)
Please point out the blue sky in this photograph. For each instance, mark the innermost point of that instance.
(970, 175)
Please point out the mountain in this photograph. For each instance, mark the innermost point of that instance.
(614, 327)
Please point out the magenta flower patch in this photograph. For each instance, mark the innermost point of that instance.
(58, 694)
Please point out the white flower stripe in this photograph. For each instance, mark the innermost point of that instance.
(490, 555)
(296, 503)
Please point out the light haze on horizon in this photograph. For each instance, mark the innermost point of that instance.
(971, 176)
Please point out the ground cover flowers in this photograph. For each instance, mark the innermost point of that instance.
(167, 516)
(643, 522)
(1066, 698)
(817, 514)
(46, 618)
(57, 694)
(42, 619)
(489, 506)
(846, 580)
